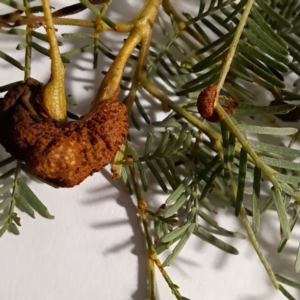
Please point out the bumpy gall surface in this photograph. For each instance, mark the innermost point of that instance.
(63, 153)
(206, 103)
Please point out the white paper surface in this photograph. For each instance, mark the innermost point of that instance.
(95, 248)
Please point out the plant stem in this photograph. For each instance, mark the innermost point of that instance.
(211, 10)
(96, 41)
(256, 247)
(14, 191)
(229, 57)
(142, 205)
(141, 32)
(181, 24)
(135, 80)
(152, 90)
(253, 239)
(109, 86)
(98, 28)
(28, 42)
(34, 21)
(141, 63)
(232, 127)
(142, 27)
(119, 27)
(74, 22)
(54, 91)
(223, 115)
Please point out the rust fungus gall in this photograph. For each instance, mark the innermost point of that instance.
(63, 153)
(206, 103)
(206, 100)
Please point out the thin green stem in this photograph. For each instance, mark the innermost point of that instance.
(111, 82)
(181, 24)
(253, 239)
(142, 28)
(232, 127)
(141, 63)
(141, 33)
(15, 191)
(162, 52)
(142, 205)
(166, 276)
(28, 53)
(119, 27)
(232, 48)
(143, 54)
(256, 247)
(74, 22)
(54, 97)
(99, 28)
(37, 21)
(210, 11)
(57, 68)
(104, 8)
(28, 50)
(159, 217)
(96, 42)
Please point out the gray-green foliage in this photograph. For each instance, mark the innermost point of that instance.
(15, 192)
(193, 165)
(266, 52)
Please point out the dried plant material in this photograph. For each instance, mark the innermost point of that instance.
(206, 100)
(63, 153)
(291, 116)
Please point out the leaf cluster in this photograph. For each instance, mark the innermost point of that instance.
(211, 167)
(16, 193)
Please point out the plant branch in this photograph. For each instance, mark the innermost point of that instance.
(181, 24)
(142, 205)
(28, 42)
(229, 57)
(153, 258)
(119, 27)
(54, 91)
(36, 21)
(142, 27)
(14, 191)
(141, 33)
(253, 239)
(232, 127)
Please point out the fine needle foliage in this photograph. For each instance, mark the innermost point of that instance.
(249, 52)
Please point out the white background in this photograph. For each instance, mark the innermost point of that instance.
(95, 248)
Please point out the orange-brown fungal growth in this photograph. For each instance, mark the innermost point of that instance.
(206, 100)
(63, 153)
(206, 103)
